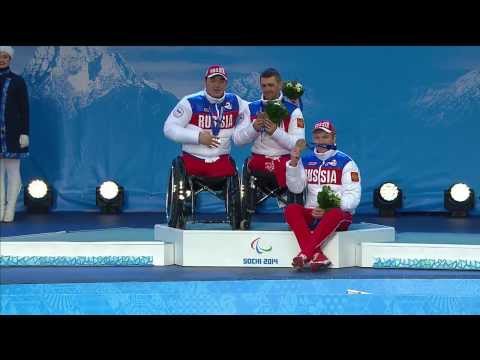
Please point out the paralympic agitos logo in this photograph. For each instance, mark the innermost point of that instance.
(256, 246)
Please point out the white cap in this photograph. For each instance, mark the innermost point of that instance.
(7, 49)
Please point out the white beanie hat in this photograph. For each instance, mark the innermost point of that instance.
(8, 49)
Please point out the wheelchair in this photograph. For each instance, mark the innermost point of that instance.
(256, 187)
(181, 199)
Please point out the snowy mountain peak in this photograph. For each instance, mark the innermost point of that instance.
(77, 75)
(452, 103)
(459, 94)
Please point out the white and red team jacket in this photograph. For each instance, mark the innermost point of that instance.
(193, 115)
(282, 141)
(333, 168)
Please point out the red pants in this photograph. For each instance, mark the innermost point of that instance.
(278, 167)
(198, 167)
(299, 219)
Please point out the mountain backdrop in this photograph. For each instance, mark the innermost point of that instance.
(405, 114)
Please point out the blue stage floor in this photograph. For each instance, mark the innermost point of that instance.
(248, 297)
(52, 275)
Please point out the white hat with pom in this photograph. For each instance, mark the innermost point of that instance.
(7, 49)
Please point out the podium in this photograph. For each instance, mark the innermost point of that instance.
(264, 245)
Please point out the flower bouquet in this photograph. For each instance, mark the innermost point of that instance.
(276, 111)
(327, 199)
(292, 89)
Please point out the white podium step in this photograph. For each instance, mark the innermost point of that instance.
(65, 253)
(421, 256)
(265, 245)
(107, 247)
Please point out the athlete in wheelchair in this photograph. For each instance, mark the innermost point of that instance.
(204, 123)
(263, 173)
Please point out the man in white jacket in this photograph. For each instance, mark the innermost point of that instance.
(324, 165)
(204, 123)
(271, 143)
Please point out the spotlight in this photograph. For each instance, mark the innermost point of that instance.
(459, 199)
(387, 198)
(109, 197)
(37, 196)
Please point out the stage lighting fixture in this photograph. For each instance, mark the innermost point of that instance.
(459, 199)
(109, 197)
(38, 196)
(387, 198)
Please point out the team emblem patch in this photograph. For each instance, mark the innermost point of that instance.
(270, 166)
(355, 177)
(178, 112)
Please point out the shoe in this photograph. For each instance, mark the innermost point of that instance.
(299, 261)
(319, 261)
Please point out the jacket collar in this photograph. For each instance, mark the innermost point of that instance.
(326, 155)
(280, 98)
(213, 100)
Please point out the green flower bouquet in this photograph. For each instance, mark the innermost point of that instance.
(292, 89)
(327, 199)
(276, 111)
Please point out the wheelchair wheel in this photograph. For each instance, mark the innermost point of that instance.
(190, 202)
(248, 198)
(175, 195)
(232, 200)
